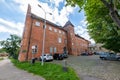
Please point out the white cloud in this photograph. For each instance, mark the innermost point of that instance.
(11, 27)
(59, 17)
(82, 31)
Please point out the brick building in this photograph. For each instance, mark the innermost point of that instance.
(56, 38)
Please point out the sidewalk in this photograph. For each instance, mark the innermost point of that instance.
(10, 72)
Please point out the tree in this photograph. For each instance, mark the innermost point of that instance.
(101, 26)
(11, 45)
(2, 50)
(112, 5)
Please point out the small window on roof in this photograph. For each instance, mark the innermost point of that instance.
(37, 23)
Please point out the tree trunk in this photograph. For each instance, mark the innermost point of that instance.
(113, 13)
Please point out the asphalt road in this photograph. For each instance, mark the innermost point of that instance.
(10, 72)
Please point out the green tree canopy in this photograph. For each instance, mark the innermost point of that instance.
(101, 26)
(113, 6)
(11, 45)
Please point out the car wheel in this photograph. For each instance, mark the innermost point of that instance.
(104, 59)
(101, 58)
(118, 59)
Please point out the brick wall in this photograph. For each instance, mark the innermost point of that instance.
(81, 45)
(26, 36)
(56, 38)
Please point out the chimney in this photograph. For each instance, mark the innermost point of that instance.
(29, 10)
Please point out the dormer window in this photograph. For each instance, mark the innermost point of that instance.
(37, 23)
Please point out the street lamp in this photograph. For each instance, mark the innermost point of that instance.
(44, 26)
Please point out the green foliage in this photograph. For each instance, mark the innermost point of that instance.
(49, 71)
(11, 45)
(2, 50)
(101, 26)
(1, 58)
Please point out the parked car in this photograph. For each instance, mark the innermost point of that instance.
(58, 56)
(46, 57)
(109, 56)
(97, 53)
(84, 54)
(65, 55)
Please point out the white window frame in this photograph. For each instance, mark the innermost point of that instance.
(55, 30)
(37, 23)
(59, 40)
(55, 49)
(59, 31)
(51, 49)
(72, 43)
(50, 28)
(63, 32)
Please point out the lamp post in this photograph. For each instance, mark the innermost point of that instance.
(44, 29)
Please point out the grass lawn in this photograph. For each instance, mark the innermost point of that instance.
(49, 71)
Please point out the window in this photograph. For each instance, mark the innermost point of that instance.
(51, 49)
(55, 30)
(65, 41)
(72, 43)
(59, 40)
(59, 31)
(63, 32)
(34, 49)
(37, 23)
(50, 28)
(55, 50)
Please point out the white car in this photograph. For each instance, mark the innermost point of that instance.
(46, 57)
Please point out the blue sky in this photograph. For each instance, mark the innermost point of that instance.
(13, 12)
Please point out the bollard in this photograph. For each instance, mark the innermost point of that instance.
(65, 68)
(33, 61)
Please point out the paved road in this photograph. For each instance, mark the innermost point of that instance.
(92, 68)
(9, 72)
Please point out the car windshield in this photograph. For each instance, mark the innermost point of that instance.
(49, 55)
(104, 53)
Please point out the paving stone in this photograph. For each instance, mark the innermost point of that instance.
(92, 68)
